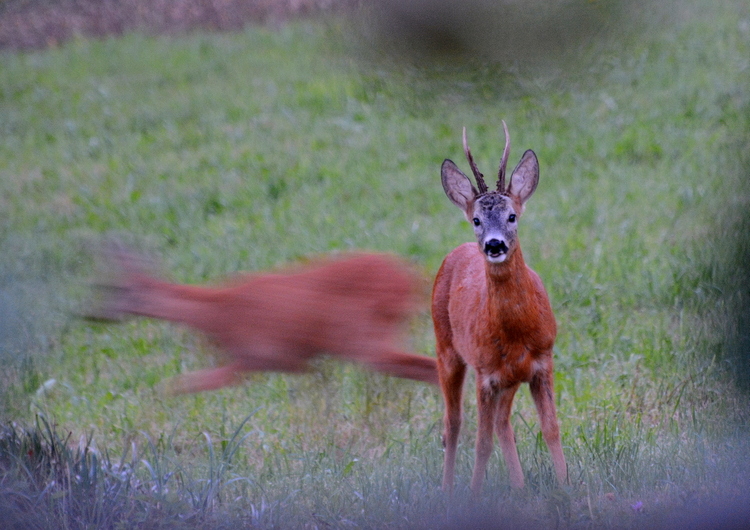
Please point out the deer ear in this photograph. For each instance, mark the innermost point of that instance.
(525, 178)
(457, 186)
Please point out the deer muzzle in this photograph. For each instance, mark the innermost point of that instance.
(495, 249)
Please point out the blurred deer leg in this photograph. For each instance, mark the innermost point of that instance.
(407, 365)
(210, 379)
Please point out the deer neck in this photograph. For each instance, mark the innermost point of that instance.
(509, 286)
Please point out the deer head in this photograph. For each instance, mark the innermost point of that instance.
(494, 214)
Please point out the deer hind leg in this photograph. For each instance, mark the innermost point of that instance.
(507, 437)
(542, 391)
(452, 373)
(488, 397)
(379, 351)
(407, 365)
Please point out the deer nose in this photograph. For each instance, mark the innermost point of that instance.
(495, 247)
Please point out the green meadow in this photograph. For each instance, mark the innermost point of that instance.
(219, 153)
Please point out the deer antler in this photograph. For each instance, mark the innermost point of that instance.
(477, 174)
(504, 161)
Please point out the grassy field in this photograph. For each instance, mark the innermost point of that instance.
(218, 153)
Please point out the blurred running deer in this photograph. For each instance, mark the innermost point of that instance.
(490, 311)
(353, 307)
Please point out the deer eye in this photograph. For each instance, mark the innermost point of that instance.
(476, 222)
(512, 218)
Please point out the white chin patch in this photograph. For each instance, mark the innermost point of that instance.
(497, 259)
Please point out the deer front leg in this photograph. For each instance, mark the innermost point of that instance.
(488, 395)
(452, 376)
(507, 436)
(542, 391)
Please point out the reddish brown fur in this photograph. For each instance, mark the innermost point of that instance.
(496, 318)
(353, 307)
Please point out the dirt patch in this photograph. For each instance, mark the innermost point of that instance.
(33, 24)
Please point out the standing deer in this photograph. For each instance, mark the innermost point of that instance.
(353, 307)
(490, 311)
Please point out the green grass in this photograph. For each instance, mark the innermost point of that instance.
(220, 153)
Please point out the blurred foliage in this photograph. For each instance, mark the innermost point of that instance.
(505, 31)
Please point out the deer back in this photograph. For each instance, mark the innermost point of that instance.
(357, 301)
